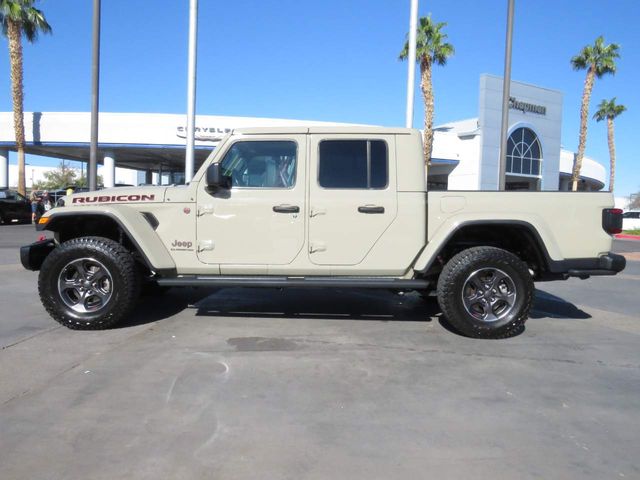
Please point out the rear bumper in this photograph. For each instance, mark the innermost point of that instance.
(608, 264)
(32, 256)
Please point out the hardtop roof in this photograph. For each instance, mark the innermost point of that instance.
(338, 129)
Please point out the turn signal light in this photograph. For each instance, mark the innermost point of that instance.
(43, 220)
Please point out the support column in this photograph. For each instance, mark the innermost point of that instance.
(411, 75)
(4, 168)
(109, 170)
(191, 90)
(564, 185)
(148, 177)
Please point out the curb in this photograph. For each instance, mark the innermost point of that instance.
(626, 236)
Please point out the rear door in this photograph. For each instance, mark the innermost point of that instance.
(352, 196)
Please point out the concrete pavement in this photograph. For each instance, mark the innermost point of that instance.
(245, 384)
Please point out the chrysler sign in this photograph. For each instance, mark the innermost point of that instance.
(204, 133)
(515, 104)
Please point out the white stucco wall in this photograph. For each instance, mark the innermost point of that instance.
(465, 175)
(591, 171)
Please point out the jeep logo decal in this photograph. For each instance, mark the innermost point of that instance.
(182, 245)
(115, 198)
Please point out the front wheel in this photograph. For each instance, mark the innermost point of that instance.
(89, 283)
(486, 292)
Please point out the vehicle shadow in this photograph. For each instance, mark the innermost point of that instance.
(321, 304)
(547, 305)
(326, 304)
(154, 308)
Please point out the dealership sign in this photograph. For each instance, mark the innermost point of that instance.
(204, 133)
(515, 104)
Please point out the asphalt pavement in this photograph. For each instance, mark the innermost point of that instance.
(316, 384)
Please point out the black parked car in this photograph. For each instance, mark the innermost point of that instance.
(14, 206)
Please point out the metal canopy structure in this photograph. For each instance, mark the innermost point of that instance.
(137, 157)
(141, 141)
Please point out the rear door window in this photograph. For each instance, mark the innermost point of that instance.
(356, 164)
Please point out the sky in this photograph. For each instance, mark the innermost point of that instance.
(331, 60)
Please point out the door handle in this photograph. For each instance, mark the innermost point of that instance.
(371, 209)
(286, 209)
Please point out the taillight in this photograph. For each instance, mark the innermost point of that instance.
(612, 220)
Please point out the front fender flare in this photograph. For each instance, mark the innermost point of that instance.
(132, 223)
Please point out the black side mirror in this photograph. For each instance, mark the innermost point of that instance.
(215, 178)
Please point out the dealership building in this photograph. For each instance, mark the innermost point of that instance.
(137, 148)
(466, 153)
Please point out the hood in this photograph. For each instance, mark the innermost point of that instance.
(117, 195)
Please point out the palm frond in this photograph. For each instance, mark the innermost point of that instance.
(30, 20)
(431, 44)
(608, 109)
(599, 56)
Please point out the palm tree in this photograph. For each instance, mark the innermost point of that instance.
(609, 110)
(18, 18)
(598, 59)
(431, 48)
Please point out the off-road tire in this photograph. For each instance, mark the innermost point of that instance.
(453, 285)
(124, 286)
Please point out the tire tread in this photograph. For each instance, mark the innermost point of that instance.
(127, 273)
(447, 294)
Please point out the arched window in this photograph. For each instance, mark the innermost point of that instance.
(524, 154)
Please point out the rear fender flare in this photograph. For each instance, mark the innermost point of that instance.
(442, 237)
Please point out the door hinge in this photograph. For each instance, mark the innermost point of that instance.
(314, 212)
(315, 247)
(205, 210)
(205, 245)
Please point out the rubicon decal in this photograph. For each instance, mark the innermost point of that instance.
(115, 198)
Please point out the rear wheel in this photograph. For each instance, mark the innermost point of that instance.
(486, 292)
(89, 283)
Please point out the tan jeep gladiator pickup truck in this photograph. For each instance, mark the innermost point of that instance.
(320, 207)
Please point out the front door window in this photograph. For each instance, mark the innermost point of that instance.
(267, 164)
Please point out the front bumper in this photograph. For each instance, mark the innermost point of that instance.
(32, 256)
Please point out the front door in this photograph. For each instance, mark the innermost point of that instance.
(260, 219)
(352, 196)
